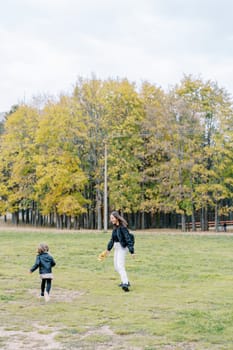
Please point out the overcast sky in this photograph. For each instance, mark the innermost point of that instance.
(45, 45)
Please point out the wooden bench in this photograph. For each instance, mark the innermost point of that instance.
(210, 224)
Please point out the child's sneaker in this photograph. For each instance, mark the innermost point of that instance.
(46, 296)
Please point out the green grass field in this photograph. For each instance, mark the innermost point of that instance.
(181, 295)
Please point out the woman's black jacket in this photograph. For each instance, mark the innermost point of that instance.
(123, 237)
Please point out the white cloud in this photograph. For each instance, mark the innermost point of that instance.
(46, 44)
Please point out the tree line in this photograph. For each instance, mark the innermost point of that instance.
(169, 155)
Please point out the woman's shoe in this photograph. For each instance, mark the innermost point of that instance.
(121, 284)
(125, 287)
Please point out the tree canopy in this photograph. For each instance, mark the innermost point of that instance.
(168, 153)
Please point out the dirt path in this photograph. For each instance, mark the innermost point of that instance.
(18, 340)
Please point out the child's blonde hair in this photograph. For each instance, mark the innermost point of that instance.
(43, 248)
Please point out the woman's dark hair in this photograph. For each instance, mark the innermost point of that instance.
(120, 218)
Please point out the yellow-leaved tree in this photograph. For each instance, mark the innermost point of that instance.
(60, 181)
(17, 169)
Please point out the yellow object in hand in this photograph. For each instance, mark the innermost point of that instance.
(102, 255)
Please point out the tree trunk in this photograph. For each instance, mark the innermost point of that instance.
(216, 219)
(193, 218)
(143, 220)
(204, 219)
(15, 218)
(23, 215)
(98, 209)
(183, 222)
(58, 221)
(76, 223)
(27, 216)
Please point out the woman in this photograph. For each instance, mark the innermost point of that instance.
(122, 244)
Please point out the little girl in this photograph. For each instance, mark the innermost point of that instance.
(45, 262)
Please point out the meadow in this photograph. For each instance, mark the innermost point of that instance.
(181, 296)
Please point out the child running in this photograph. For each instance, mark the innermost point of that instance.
(45, 262)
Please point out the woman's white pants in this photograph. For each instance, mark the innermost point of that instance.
(119, 261)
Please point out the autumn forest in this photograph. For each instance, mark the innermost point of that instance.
(169, 156)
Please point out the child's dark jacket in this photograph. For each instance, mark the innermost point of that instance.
(45, 262)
